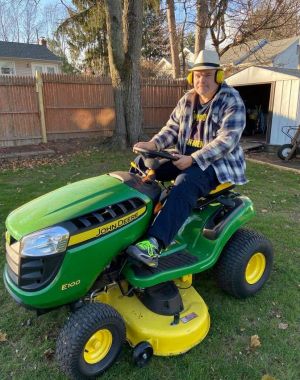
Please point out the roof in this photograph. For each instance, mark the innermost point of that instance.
(26, 51)
(259, 75)
(256, 51)
(291, 72)
(238, 52)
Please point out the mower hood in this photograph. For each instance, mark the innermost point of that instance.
(68, 202)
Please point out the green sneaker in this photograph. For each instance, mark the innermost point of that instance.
(146, 251)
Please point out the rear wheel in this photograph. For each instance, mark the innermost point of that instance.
(284, 151)
(90, 341)
(245, 264)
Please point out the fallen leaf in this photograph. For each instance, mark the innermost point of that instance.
(268, 377)
(49, 354)
(3, 336)
(264, 210)
(254, 341)
(283, 326)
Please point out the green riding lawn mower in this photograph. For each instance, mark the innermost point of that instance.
(68, 247)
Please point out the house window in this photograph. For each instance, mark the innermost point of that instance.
(43, 68)
(7, 68)
(38, 69)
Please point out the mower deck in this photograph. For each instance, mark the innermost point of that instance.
(165, 335)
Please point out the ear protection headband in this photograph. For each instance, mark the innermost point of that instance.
(219, 77)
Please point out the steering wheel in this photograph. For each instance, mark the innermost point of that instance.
(155, 153)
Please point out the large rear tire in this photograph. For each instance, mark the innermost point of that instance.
(90, 341)
(245, 264)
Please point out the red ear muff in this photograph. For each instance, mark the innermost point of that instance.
(190, 78)
(219, 77)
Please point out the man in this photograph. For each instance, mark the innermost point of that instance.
(205, 126)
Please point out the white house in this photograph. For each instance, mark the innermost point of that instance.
(25, 59)
(281, 53)
(164, 66)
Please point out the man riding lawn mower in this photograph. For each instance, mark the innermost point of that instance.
(80, 245)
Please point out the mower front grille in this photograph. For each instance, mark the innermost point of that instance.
(31, 273)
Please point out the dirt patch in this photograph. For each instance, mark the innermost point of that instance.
(53, 153)
(53, 147)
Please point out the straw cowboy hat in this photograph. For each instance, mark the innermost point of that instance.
(206, 60)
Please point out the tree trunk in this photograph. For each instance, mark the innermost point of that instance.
(132, 21)
(124, 48)
(201, 26)
(173, 38)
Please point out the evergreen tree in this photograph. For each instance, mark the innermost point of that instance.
(86, 35)
(155, 40)
(55, 45)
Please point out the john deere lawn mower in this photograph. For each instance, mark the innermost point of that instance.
(68, 247)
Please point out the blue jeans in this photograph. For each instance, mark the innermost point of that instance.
(190, 184)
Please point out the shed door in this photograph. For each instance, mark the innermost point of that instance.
(258, 110)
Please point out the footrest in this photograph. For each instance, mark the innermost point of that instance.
(172, 261)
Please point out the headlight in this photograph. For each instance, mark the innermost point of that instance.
(45, 242)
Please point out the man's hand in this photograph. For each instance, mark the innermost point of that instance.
(149, 145)
(183, 162)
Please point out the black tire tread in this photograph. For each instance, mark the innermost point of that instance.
(73, 332)
(281, 149)
(233, 257)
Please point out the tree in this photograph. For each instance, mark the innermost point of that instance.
(57, 46)
(155, 38)
(272, 21)
(173, 38)
(201, 26)
(236, 22)
(86, 34)
(124, 32)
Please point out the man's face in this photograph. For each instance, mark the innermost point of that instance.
(204, 82)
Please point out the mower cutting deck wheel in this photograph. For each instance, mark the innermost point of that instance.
(90, 341)
(245, 264)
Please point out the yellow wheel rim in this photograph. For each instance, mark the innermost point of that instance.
(97, 347)
(255, 268)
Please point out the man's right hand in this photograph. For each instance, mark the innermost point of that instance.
(149, 145)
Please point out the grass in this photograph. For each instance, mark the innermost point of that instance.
(27, 352)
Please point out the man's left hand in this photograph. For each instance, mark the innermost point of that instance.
(183, 162)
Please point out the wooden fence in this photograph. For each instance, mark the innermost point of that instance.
(70, 106)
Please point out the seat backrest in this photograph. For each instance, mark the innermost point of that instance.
(221, 188)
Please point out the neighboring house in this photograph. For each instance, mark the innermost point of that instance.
(25, 59)
(164, 66)
(281, 53)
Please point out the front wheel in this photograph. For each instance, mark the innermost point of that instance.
(245, 264)
(284, 151)
(90, 341)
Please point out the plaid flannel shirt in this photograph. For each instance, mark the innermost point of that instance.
(223, 128)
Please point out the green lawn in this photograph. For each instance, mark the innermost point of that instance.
(273, 314)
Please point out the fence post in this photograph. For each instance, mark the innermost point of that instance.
(39, 90)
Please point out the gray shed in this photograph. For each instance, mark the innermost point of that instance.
(271, 96)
